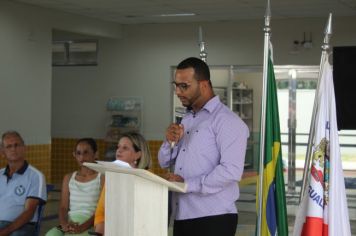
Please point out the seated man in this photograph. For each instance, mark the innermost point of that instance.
(22, 189)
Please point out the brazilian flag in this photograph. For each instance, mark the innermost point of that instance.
(274, 210)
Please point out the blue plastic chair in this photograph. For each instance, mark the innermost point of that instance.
(40, 210)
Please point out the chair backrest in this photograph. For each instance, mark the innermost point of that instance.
(40, 210)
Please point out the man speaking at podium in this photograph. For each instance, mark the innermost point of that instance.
(208, 150)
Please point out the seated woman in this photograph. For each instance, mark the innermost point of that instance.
(133, 149)
(80, 193)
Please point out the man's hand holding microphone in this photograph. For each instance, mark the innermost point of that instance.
(173, 134)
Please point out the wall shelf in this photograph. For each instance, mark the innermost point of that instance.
(125, 116)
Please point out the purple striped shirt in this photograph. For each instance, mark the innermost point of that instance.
(210, 157)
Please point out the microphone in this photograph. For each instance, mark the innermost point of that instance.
(180, 112)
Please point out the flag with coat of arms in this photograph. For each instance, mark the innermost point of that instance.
(323, 210)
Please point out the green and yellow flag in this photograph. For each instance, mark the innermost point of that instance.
(274, 210)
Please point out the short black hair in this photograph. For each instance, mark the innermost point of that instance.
(201, 69)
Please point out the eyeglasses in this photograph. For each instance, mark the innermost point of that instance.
(182, 86)
(15, 145)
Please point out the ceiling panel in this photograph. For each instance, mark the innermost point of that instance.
(146, 11)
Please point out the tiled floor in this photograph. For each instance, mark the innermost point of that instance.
(246, 206)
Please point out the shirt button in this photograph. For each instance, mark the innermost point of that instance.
(183, 150)
(187, 132)
(180, 168)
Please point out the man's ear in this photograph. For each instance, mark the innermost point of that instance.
(205, 84)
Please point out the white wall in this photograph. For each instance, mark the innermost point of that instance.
(25, 74)
(134, 60)
(139, 64)
(25, 65)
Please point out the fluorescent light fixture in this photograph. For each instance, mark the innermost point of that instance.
(177, 14)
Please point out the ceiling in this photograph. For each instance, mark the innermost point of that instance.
(152, 11)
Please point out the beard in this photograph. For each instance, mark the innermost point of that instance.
(189, 101)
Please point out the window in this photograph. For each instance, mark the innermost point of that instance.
(75, 53)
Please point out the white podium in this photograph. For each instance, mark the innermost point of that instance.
(136, 200)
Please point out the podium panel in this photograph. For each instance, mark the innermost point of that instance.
(135, 206)
(136, 200)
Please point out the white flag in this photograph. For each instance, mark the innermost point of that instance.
(323, 210)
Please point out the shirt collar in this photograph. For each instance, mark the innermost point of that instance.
(210, 106)
(19, 171)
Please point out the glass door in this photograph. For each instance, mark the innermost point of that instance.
(296, 87)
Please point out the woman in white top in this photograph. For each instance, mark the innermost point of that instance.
(80, 193)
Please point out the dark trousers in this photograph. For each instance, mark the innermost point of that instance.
(219, 225)
(25, 230)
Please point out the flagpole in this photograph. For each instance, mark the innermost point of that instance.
(267, 35)
(324, 56)
(202, 46)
